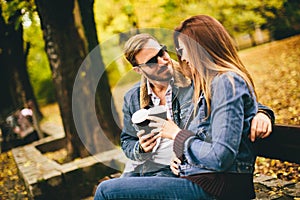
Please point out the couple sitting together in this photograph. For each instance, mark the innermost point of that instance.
(205, 147)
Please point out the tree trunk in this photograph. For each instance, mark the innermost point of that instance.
(15, 82)
(25, 81)
(9, 101)
(65, 47)
(65, 52)
(105, 108)
(252, 39)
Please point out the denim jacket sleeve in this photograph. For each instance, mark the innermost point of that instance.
(129, 139)
(232, 109)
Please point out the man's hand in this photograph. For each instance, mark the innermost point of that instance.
(261, 126)
(147, 141)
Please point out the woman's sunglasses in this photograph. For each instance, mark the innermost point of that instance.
(179, 51)
(153, 61)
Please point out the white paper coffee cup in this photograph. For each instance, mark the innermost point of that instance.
(140, 121)
(158, 111)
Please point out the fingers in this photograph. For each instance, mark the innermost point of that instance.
(156, 131)
(269, 131)
(148, 141)
(159, 124)
(261, 127)
(148, 147)
(253, 129)
(176, 160)
(140, 133)
(174, 166)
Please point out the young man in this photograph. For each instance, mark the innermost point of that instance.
(162, 84)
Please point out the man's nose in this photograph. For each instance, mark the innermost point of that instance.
(162, 60)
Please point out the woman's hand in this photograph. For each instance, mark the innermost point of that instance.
(174, 165)
(261, 126)
(165, 128)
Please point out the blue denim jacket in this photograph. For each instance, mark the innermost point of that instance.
(137, 98)
(220, 142)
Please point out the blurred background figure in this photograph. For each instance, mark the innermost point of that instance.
(17, 129)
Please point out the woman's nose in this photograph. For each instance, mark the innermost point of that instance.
(183, 57)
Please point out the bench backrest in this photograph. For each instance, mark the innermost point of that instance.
(283, 144)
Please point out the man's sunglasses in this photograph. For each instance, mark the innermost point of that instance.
(153, 61)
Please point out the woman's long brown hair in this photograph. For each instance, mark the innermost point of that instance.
(211, 52)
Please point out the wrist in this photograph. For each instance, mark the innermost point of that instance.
(176, 133)
(266, 113)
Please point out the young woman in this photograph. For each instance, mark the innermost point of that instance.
(216, 155)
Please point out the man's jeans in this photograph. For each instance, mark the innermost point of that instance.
(150, 188)
(144, 170)
(160, 173)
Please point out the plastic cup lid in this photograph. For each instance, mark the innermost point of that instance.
(157, 109)
(139, 116)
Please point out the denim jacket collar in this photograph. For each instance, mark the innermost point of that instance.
(179, 81)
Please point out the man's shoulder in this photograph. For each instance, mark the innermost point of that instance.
(134, 90)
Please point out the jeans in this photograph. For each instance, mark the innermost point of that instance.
(150, 188)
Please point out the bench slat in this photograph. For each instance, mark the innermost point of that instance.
(283, 144)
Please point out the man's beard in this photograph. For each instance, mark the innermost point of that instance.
(157, 77)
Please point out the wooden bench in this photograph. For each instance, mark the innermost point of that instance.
(283, 144)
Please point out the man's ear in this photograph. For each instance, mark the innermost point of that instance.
(137, 70)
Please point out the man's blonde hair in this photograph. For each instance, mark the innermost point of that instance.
(134, 45)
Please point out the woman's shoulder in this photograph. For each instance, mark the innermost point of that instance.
(229, 82)
(228, 75)
(228, 78)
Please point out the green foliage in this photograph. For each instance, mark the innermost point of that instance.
(23, 13)
(37, 62)
(238, 16)
(14, 10)
(114, 16)
(287, 21)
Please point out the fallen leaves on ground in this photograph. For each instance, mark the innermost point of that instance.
(283, 170)
(11, 184)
